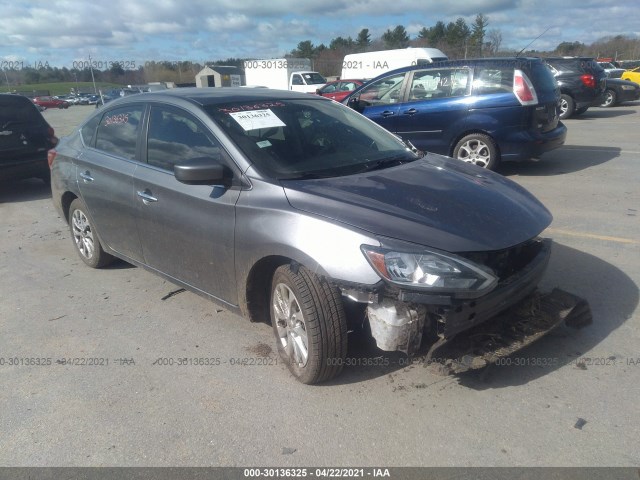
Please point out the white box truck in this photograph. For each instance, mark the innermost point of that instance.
(369, 65)
(283, 74)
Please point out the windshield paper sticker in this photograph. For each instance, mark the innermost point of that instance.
(253, 120)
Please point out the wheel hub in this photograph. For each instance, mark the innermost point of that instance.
(82, 234)
(290, 324)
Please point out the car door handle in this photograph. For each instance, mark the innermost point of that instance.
(387, 113)
(146, 197)
(411, 111)
(86, 176)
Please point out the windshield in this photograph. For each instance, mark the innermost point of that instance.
(314, 78)
(288, 139)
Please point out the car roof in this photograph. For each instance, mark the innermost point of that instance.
(13, 97)
(220, 95)
(469, 62)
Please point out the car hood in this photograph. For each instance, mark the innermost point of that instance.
(435, 201)
(620, 82)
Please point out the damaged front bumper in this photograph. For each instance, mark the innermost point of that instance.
(514, 329)
(400, 318)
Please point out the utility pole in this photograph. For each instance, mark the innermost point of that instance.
(95, 90)
(7, 79)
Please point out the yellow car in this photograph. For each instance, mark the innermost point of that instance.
(632, 75)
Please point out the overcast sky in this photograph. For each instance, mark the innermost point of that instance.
(61, 32)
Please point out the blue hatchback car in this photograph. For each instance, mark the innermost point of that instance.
(481, 111)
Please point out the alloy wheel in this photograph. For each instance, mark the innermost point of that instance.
(290, 324)
(82, 234)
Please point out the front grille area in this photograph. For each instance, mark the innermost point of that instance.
(506, 263)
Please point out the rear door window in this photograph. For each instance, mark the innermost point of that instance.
(88, 131)
(118, 131)
(493, 79)
(440, 83)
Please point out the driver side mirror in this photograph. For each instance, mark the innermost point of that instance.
(203, 171)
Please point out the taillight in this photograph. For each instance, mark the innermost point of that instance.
(523, 89)
(51, 156)
(52, 137)
(588, 80)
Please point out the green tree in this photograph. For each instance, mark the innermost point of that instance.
(305, 49)
(31, 76)
(478, 32)
(396, 38)
(434, 35)
(569, 48)
(364, 39)
(116, 70)
(456, 36)
(341, 43)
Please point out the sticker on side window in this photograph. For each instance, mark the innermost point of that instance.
(253, 120)
(117, 119)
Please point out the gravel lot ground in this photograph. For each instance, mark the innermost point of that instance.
(571, 399)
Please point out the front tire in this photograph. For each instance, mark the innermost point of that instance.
(309, 324)
(567, 106)
(477, 149)
(609, 99)
(85, 237)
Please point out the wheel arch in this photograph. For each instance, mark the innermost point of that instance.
(568, 92)
(66, 200)
(256, 289)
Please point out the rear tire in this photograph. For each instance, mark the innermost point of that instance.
(567, 106)
(477, 149)
(309, 324)
(609, 99)
(85, 237)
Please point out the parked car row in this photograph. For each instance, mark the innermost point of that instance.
(106, 97)
(79, 99)
(47, 101)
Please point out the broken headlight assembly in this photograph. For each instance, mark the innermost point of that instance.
(431, 271)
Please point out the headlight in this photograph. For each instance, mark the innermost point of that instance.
(431, 271)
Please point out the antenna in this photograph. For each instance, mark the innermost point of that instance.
(548, 28)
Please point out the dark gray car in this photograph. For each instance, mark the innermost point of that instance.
(291, 207)
(25, 138)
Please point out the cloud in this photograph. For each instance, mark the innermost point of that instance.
(214, 29)
(230, 22)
